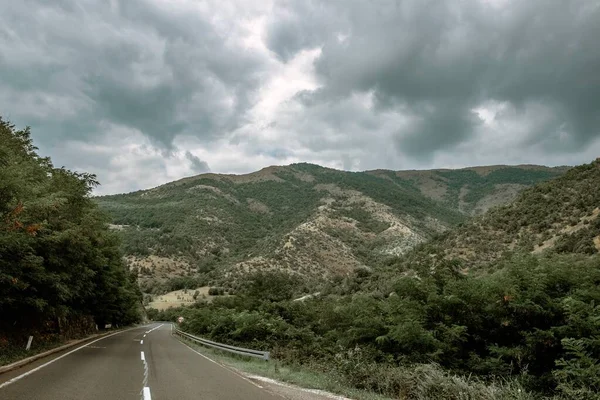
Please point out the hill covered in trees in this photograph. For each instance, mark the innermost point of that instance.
(520, 323)
(307, 220)
(61, 269)
(560, 216)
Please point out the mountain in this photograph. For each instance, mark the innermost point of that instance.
(474, 190)
(559, 216)
(305, 219)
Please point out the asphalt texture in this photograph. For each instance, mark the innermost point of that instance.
(114, 367)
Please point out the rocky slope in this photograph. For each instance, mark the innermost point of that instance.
(302, 218)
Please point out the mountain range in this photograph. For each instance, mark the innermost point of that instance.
(307, 220)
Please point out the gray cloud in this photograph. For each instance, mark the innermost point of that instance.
(439, 60)
(141, 90)
(198, 166)
(160, 70)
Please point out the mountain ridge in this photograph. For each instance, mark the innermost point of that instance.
(555, 216)
(305, 219)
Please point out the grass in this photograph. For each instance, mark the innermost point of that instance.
(11, 354)
(292, 374)
(418, 382)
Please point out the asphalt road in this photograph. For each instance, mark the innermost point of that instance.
(141, 363)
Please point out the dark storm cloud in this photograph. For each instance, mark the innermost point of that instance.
(156, 68)
(198, 166)
(440, 126)
(438, 60)
(123, 87)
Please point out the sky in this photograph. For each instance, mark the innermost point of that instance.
(143, 92)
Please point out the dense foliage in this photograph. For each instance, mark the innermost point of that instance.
(535, 320)
(58, 261)
(528, 319)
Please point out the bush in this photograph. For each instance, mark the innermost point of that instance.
(216, 291)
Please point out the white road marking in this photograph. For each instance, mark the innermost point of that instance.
(315, 391)
(145, 388)
(155, 328)
(145, 335)
(142, 341)
(16, 378)
(220, 365)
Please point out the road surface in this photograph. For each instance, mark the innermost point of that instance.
(141, 363)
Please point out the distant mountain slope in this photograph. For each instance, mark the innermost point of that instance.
(561, 215)
(302, 218)
(474, 190)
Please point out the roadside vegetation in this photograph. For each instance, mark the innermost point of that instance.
(61, 269)
(518, 325)
(529, 328)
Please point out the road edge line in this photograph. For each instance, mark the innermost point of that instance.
(29, 360)
(222, 366)
(19, 377)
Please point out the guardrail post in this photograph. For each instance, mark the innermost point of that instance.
(29, 343)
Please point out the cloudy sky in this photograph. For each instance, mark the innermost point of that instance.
(142, 92)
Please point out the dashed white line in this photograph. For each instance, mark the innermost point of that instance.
(144, 335)
(142, 341)
(147, 395)
(156, 327)
(143, 356)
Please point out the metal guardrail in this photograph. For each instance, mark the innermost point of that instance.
(225, 347)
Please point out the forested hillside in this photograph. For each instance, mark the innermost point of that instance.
(522, 325)
(311, 221)
(558, 216)
(474, 190)
(61, 269)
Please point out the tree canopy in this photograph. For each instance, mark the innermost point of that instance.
(57, 256)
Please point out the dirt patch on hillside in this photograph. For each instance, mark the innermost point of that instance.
(257, 206)
(115, 227)
(180, 298)
(214, 190)
(331, 189)
(597, 242)
(547, 244)
(399, 237)
(157, 268)
(433, 189)
(503, 193)
(304, 176)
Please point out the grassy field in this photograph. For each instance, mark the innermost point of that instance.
(180, 298)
